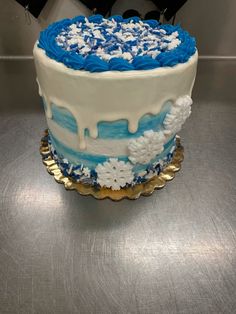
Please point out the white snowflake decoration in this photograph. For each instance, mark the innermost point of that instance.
(178, 114)
(114, 174)
(146, 147)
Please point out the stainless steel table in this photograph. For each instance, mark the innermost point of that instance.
(173, 252)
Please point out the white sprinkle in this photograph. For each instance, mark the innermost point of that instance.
(163, 45)
(149, 41)
(172, 149)
(106, 56)
(175, 34)
(127, 55)
(90, 25)
(72, 41)
(71, 167)
(61, 38)
(100, 50)
(98, 34)
(85, 50)
(153, 53)
(73, 27)
(129, 38)
(134, 49)
(172, 45)
(78, 172)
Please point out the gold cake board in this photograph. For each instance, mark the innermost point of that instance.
(145, 189)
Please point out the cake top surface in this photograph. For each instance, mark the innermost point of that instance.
(96, 44)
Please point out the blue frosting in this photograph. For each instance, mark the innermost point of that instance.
(95, 64)
(180, 54)
(139, 59)
(117, 18)
(152, 23)
(119, 64)
(145, 63)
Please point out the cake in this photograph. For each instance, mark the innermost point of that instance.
(115, 92)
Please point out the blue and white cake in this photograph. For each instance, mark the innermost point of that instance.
(115, 91)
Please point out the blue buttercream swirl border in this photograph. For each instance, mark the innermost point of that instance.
(93, 63)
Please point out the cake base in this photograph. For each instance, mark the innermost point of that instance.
(145, 189)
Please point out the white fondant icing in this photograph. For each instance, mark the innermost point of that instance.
(114, 174)
(112, 95)
(143, 149)
(180, 111)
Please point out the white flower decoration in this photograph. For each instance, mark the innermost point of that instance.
(146, 147)
(178, 114)
(114, 174)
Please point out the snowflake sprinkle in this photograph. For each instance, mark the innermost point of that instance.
(178, 114)
(146, 147)
(114, 174)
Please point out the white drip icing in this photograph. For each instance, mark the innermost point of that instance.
(110, 96)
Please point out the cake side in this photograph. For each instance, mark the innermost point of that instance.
(114, 128)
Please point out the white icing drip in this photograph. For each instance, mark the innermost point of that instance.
(112, 95)
(48, 105)
(39, 88)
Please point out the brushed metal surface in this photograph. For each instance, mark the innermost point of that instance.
(173, 252)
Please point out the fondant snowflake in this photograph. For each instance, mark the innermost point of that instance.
(114, 174)
(178, 114)
(146, 147)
